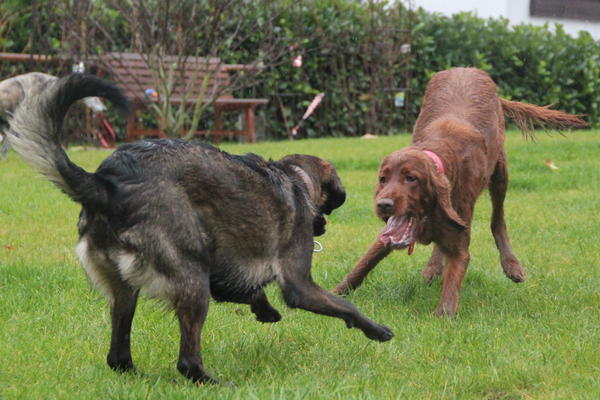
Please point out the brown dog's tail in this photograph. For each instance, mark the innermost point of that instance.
(527, 116)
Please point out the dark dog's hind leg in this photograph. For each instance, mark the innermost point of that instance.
(191, 307)
(498, 186)
(122, 308)
(122, 299)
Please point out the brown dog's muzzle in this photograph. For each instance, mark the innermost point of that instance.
(385, 207)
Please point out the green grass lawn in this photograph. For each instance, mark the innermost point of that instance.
(535, 340)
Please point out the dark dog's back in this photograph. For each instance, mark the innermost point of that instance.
(172, 197)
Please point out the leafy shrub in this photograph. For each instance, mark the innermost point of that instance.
(534, 64)
(351, 51)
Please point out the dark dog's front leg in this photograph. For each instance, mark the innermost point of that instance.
(264, 311)
(258, 301)
(309, 296)
(300, 291)
(121, 312)
(377, 252)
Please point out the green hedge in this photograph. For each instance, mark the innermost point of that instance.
(537, 64)
(351, 52)
(541, 65)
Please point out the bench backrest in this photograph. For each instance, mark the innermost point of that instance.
(135, 73)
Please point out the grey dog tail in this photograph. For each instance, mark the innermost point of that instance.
(36, 130)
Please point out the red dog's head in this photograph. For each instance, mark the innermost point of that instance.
(410, 193)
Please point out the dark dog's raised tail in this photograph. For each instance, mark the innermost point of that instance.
(36, 130)
(526, 116)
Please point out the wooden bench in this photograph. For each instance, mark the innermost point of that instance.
(130, 71)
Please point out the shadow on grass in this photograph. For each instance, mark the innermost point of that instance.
(480, 293)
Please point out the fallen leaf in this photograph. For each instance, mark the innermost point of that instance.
(550, 164)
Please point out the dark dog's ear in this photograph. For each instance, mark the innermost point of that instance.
(331, 188)
(441, 192)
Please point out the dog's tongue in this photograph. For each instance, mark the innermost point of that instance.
(399, 232)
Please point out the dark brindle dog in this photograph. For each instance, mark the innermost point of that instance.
(186, 221)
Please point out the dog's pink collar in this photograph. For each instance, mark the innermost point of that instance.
(437, 160)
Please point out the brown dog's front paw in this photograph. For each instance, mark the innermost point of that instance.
(342, 289)
(430, 273)
(445, 310)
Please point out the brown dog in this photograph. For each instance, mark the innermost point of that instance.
(427, 191)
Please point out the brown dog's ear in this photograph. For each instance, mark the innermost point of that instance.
(441, 191)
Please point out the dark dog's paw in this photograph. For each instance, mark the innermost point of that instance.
(123, 364)
(206, 380)
(380, 333)
(265, 312)
(268, 316)
(195, 373)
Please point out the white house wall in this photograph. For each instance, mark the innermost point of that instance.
(517, 11)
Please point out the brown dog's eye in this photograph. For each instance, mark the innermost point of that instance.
(410, 179)
(382, 179)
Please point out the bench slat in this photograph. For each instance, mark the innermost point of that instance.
(131, 72)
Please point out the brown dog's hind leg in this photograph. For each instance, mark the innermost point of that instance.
(434, 266)
(191, 307)
(377, 252)
(122, 308)
(498, 186)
